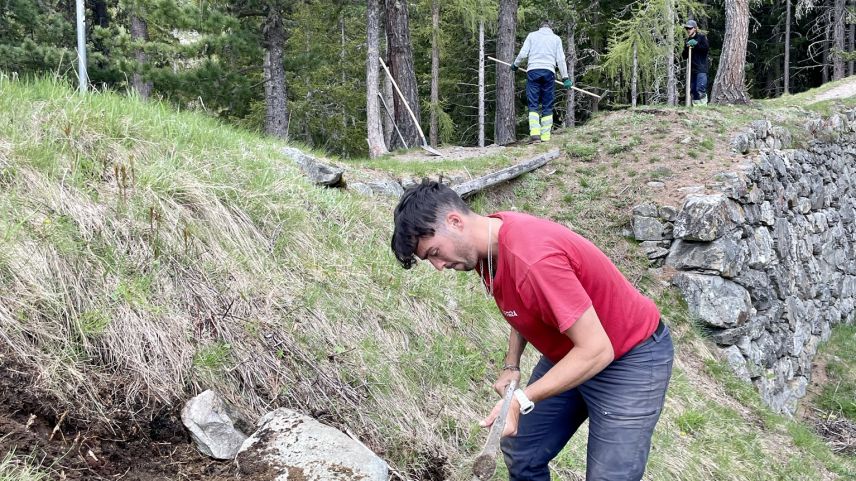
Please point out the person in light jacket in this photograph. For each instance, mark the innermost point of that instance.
(544, 52)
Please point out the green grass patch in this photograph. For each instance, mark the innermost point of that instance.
(213, 356)
(14, 467)
(839, 394)
(660, 173)
(93, 322)
(584, 152)
(691, 422)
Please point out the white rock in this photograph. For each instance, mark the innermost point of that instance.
(207, 418)
(289, 446)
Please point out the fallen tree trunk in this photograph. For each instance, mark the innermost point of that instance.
(317, 172)
(466, 189)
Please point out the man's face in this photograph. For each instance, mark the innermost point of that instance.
(691, 31)
(448, 248)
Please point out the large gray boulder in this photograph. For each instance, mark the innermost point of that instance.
(706, 218)
(212, 426)
(291, 446)
(714, 300)
(649, 228)
(724, 256)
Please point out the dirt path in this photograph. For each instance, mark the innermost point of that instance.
(845, 90)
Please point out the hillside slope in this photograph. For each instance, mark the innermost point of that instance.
(146, 255)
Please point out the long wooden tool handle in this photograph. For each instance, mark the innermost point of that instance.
(392, 119)
(689, 76)
(485, 464)
(404, 101)
(557, 81)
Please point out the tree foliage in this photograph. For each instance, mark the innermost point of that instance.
(646, 29)
(209, 55)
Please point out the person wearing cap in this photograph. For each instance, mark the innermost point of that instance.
(605, 354)
(696, 41)
(543, 52)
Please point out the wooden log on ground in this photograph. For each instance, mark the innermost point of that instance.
(317, 172)
(470, 187)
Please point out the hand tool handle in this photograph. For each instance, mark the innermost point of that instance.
(404, 101)
(485, 464)
(557, 81)
(689, 76)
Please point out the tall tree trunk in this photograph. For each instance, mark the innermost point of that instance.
(276, 99)
(788, 48)
(140, 34)
(852, 50)
(374, 129)
(672, 74)
(481, 83)
(401, 66)
(827, 22)
(635, 77)
(506, 125)
(571, 58)
(729, 86)
(838, 40)
(435, 71)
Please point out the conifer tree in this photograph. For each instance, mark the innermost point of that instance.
(402, 68)
(645, 37)
(374, 128)
(506, 121)
(476, 15)
(729, 87)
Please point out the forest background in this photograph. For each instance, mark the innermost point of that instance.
(298, 69)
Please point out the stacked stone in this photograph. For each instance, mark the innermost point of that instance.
(768, 265)
(761, 134)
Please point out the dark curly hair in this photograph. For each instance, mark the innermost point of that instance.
(419, 210)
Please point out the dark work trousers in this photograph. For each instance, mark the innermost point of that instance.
(540, 91)
(623, 404)
(698, 85)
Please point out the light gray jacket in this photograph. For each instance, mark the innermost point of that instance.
(544, 50)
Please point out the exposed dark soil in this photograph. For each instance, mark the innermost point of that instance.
(155, 447)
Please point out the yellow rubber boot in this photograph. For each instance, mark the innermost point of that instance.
(546, 126)
(534, 124)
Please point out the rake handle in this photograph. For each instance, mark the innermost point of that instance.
(404, 101)
(558, 82)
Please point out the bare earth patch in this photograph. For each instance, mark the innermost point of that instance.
(451, 153)
(847, 89)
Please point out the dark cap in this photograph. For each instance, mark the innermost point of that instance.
(691, 24)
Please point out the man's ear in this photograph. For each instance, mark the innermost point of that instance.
(455, 221)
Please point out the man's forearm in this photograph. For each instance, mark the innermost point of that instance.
(574, 369)
(516, 344)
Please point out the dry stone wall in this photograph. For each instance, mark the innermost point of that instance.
(768, 263)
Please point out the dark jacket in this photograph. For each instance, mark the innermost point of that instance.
(699, 53)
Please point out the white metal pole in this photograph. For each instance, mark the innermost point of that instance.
(81, 47)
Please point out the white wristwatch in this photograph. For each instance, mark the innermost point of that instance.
(526, 406)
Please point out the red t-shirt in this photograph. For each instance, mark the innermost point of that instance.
(547, 276)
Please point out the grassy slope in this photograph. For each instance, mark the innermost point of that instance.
(156, 254)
